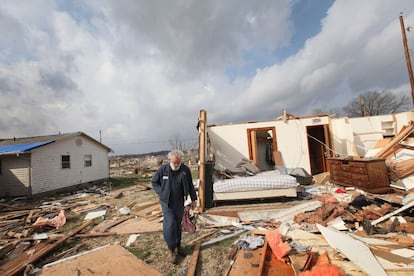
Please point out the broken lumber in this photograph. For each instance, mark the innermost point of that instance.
(193, 262)
(94, 235)
(403, 168)
(103, 227)
(20, 262)
(393, 144)
(260, 261)
(202, 237)
(381, 219)
(145, 205)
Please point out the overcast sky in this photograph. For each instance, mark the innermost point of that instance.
(136, 73)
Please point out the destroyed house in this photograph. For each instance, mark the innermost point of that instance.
(287, 143)
(35, 165)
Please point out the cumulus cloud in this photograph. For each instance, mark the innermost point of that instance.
(138, 72)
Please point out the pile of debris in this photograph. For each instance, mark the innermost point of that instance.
(373, 236)
(399, 155)
(32, 230)
(332, 231)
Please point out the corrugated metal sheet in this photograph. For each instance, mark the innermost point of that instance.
(19, 148)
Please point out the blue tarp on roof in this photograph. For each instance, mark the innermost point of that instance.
(22, 147)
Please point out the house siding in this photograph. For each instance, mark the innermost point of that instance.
(46, 163)
(15, 175)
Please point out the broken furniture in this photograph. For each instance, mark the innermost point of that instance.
(260, 261)
(368, 174)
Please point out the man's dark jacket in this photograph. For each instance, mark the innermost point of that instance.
(162, 186)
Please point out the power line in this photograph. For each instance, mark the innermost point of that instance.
(147, 142)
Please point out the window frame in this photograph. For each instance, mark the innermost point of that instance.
(87, 160)
(65, 164)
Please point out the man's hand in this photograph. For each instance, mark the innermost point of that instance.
(193, 204)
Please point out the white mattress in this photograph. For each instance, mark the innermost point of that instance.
(289, 192)
(268, 180)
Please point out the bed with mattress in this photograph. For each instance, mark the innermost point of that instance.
(264, 184)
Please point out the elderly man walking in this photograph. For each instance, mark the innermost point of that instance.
(173, 183)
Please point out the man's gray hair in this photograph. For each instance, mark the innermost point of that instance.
(176, 153)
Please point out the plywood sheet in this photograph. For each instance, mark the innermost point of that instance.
(137, 225)
(110, 260)
(260, 261)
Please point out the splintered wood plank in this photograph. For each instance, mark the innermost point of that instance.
(13, 214)
(275, 267)
(16, 265)
(110, 260)
(397, 259)
(145, 205)
(106, 224)
(260, 261)
(193, 262)
(270, 265)
(247, 262)
(148, 211)
(202, 237)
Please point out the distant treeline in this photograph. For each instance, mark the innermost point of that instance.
(140, 155)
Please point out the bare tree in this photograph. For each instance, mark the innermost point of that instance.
(372, 103)
(177, 142)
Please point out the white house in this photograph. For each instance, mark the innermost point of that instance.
(34, 165)
(303, 142)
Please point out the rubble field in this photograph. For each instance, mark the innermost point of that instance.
(118, 230)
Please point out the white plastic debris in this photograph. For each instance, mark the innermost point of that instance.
(131, 239)
(124, 211)
(40, 236)
(95, 214)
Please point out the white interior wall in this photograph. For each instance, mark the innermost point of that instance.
(229, 143)
(403, 119)
(368, 131)
(292, 144)
(293, 141)
(355, 136)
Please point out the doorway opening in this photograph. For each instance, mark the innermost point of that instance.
(262, 147)
(319, 145)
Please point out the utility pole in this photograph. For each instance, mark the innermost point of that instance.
(407, 57)
(202, 141)
(363, 107)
